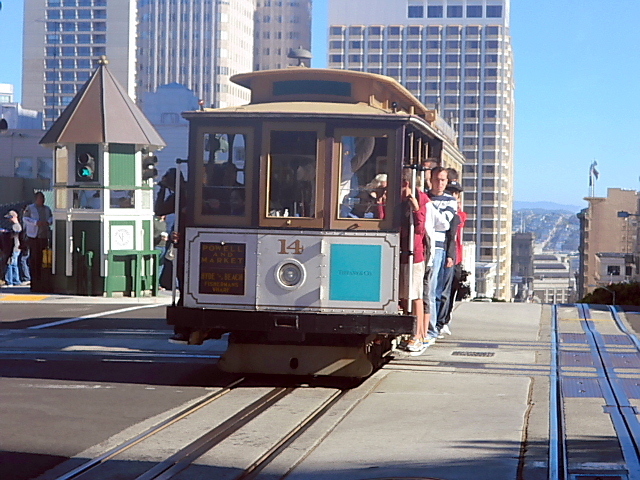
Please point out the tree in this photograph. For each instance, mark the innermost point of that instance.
(625, 294)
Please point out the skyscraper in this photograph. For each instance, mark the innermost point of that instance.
(63, 39)
(197, 43)
(279, 27)
(456, 56)
(149, 43)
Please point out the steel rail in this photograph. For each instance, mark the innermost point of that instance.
(256, 467)
(618, 405)
(557, 444)
(82, 469)
(186, 456)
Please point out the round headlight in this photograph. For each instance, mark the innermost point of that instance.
(290, 274)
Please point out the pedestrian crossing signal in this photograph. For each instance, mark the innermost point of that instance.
(86, 168)
(149, 169)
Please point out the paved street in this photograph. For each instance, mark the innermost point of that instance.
(78, 374)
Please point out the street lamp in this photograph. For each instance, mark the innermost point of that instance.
(623, 214)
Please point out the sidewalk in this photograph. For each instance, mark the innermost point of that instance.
(459, 411)
(20, 294)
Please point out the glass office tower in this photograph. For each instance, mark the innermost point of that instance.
(456, 56)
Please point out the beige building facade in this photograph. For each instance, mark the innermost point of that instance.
(280, 26)
(198, 44)
(609, 246)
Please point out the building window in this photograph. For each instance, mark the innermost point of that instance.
(355, 30)
(415, 11)
(435, 11)
(336, 30)
(375, 30)
(613, 270)
(494, 11)
(454, 11)
(394, 31)
(453, 30)
(474, 11)
(24, 168)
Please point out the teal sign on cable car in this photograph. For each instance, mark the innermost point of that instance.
(355, 272)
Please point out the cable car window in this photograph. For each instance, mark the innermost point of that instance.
(223, 179)
(363, 177)
(292, 174)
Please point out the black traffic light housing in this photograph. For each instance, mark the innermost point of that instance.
(149, 169)
(87, 163)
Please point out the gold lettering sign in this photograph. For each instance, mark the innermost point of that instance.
(222, 268)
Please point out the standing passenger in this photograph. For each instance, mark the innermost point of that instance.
(455, 189)
(446, 207)
(37, 221)
(416, 205)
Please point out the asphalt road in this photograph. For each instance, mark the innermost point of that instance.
(56, 405)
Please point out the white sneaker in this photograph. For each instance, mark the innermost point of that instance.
(445, 329)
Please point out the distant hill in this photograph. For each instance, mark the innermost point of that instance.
(556, 228)
(553, 207)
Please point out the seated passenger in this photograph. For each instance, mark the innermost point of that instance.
(372, 199)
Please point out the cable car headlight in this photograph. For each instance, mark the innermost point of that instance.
(290, 274)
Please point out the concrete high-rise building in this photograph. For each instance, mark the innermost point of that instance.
(279, 27)
(456, 56)
(198, 44)
(6, 93)
(63, 39)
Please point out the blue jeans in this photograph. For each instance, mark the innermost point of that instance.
(436, 282)
(444, 298)
(12, 277)
(23, 266)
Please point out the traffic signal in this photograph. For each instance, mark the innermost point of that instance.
(86, 170)
(149, 169)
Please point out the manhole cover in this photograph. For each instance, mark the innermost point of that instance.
(473, 354)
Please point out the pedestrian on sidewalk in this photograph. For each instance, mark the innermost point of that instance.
(12, 275)
(37, 220)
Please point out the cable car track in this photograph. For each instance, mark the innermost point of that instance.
(601, 358)
(184, 457)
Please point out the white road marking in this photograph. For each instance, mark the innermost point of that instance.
(92, 315)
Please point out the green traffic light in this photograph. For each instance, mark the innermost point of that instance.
(86, 172)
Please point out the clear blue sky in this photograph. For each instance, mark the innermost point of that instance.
(577, 91)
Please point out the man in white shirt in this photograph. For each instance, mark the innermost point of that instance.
(37, 220)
